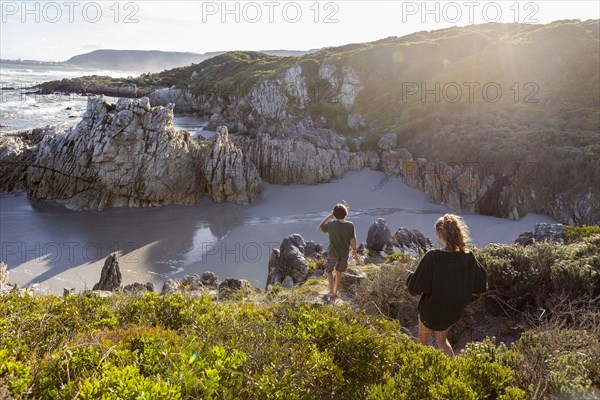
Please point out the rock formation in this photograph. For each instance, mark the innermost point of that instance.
(304, 158)
(139, 288)
(110, 277)
(379, 236)
(3, 273)
(126, 154)
(412, 240)
(230, 175)
(288, 263)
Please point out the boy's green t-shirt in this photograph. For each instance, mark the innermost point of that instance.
(340, 234)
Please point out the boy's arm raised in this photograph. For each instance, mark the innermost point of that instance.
(325, 221)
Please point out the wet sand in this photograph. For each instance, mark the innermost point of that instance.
(51, 247)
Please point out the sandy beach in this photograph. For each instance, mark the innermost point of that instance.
(51, 247)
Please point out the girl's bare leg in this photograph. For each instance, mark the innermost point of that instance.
(441, 339)
(424, 334)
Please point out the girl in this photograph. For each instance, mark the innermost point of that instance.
(446, 280)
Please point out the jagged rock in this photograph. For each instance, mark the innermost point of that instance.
(191, 282)
(387, 142)
(232, 285)
(110, 277)
(379, 235)
(361, 249)
(139, 288)
(412, 240)
(549, 232)
(318, 272)
(210, 279)
(3, 273)
(351, 280)
(288, 282)
(128, 154)
(17, 152)
(188, 283)
(231, 176)
(274, 276)
(290, 260)
(170, 286)
(314, 250)
(307, 158)
(525, 239)
(123, 154)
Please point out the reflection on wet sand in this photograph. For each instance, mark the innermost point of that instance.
(45, 243)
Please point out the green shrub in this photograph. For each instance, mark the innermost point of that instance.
(559, 364)
(398, 257)
(573, 233)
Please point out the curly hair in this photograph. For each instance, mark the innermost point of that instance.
(453, 231)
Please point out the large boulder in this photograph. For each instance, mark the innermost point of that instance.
(234, 285)
(110, 277)
(210, 279)
(549, 232)
(412, 240)
(290, 260)
(379, 235)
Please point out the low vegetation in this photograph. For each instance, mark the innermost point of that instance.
(280, 345)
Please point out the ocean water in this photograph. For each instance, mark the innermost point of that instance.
(22, 108)
(51, 248)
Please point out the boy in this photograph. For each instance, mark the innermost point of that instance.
(341, 236)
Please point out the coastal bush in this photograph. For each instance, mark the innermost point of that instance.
(573, 233)
(533, 277)
(177, 346)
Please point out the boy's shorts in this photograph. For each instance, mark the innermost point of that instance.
(340, 264)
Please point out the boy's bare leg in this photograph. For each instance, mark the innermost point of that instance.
(331, 284)
(338, 280)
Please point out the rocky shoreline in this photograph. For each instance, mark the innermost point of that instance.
(128, 154)
(291, 265)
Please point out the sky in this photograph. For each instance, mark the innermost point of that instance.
(58, 30)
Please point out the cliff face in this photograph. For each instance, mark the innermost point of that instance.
(304, 158)
(128, 154)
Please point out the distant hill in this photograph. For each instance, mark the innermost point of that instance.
(152, 60)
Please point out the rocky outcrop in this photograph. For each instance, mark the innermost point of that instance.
(188, 283)
(288, 263)
(3, 273)
(308, 158)
(230, 175)
(138, 288)
(412, 240)
(543, 232)
(110, 277)
(379, 236)
(234, 286)
(17, 152)
(128, 154)
(457, 187)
